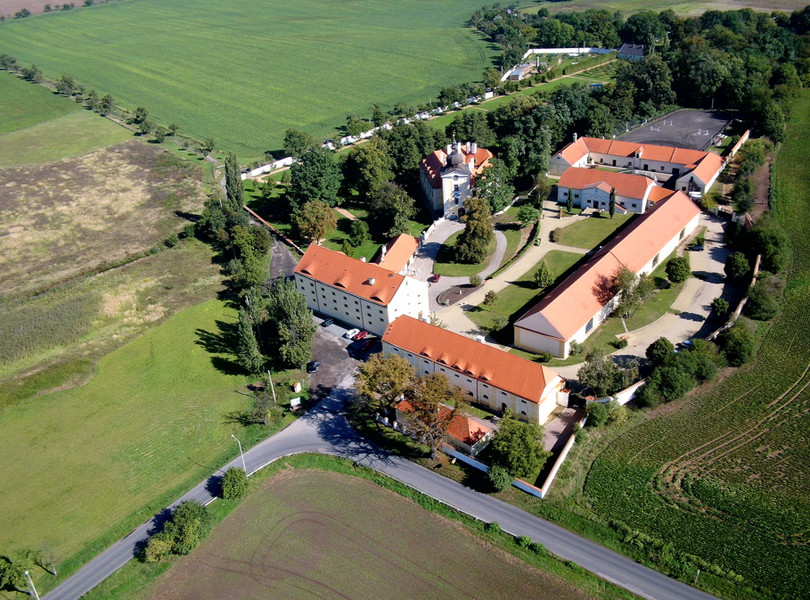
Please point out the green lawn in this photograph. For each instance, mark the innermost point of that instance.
(25, 104)
(84, 466)
(64, 137)
(244, 71)
(519, 295)
(589, 233)
(445, 264)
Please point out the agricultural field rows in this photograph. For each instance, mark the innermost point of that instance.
(243, 72)
(724, 476)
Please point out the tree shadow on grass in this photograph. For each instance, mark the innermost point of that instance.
(222, 342)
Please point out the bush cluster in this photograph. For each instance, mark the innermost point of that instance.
(188, 525)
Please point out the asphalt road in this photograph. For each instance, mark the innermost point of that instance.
(324, 429)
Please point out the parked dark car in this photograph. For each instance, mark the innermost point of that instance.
(696, 248)
(367, 344)
(327, 322)
(312, 366)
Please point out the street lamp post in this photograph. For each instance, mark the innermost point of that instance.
(240, 452)
(31, 585)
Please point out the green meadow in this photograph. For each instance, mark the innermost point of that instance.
(244, 71)
(38, 126)
(83, 466)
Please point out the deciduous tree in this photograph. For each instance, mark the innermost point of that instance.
(736, 266)
(518, 447)
(296, 143)
(677, 269)
(314, 220)
(315, 177)
(473, 241)
(234, 484)
(290, 322)
(495, 186)
(391, 209)
(381, 380)
(660, 351)
(428, 419)
(247, 350)
(367, 167)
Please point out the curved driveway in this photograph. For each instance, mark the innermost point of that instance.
(325, 430)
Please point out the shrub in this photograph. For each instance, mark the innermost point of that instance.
(597, 414)
(720, 306)
(545, 356)
(660, 351)
(677, 269)
(190, 523)
(475, 280)
(492, 527)
(234, 484)
(763, 299)
(620, 343)
(524, 541)
(554, 235)
(358, 233)
(737, 344)
(499, 477)
(736, 266)
(576, 348)
(159, 547)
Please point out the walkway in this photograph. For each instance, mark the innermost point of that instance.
(423, 265)
(455, 316)
(325, 430)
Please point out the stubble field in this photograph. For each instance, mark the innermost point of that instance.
(244, 71)
(319, 534)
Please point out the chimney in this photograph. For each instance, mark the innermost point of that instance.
(474, 148)
(472, 164)
(575, 137)
(371, 281)
(363, 258)
(449, 149)
(382, 256)
(468, 147)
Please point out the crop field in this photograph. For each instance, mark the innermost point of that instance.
(301, 536)
(244, 71)
(26, 104)
(724, 476)
(66, 218)
(81, 467)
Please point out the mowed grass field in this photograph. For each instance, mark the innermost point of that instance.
(724, 476)
(83, 466)
(313, 533)
(244, 71)
(38, 126)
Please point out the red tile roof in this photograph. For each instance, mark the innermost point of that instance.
(398, 252)
(630, 186)
(365, 280)
(462, 427)
(704, 163)
(433, 163)
(491, 365)
(570, 305)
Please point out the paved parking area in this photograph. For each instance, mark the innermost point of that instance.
(693, 129)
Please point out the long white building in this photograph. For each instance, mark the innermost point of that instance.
(364, 295)
(492, 377)
(576, 307)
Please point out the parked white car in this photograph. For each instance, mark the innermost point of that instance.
(351, 333)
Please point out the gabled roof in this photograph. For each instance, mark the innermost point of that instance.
(335, 269)
(574, 151)
(433, 163)
(708, 167)
(570, 305)
(491, 365)
(632, 49)
(630, 186)
(398, 252)
(585, 145)
(462, 427)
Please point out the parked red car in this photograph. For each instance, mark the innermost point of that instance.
(360, 335)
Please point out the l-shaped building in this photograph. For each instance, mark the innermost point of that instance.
(362, 294)
(693, 170)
